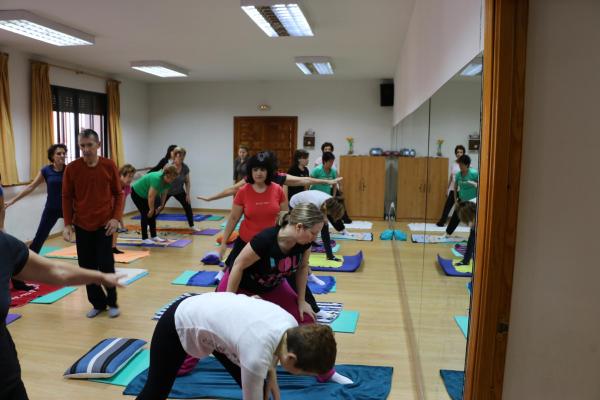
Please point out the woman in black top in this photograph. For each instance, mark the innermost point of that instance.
(239, 164)
(165, 160)
(299, 169)
(18, 261)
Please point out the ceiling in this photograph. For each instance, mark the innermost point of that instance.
(216, 41)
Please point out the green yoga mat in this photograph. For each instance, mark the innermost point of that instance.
(183, 278)
(48, 249)
(463, 323)
(214, 218)
(54, 296)
(320, 260)
(138, 364)
(346, 322)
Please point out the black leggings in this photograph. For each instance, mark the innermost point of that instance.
(447, 207)
(167, 355)
(142, 206)
(181, 198)
(11, 385)
(470, 247)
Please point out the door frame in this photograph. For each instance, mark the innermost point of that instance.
(294, 132)
(505, 40)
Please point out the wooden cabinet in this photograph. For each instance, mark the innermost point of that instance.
(421, 188)
(363, 185)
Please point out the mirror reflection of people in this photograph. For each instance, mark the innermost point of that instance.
(450, 200)
(467, 212)
(248, 336)
(465, 188)
(92, 201)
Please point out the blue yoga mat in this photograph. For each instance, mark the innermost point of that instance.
(210, 380)
(203, 278)
(322, 289)
(454, 382)
(176, 217)
(350, 264)
(449, 269)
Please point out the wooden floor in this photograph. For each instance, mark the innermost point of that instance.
(406, 321)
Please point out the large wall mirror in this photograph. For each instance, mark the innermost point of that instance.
(436, 180)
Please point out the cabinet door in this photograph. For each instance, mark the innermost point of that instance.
(350, 169)
(372, 198)
(437, 186)
(411, 189)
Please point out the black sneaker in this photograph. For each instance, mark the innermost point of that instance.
(20, 285)
(116, 251)
(441, 223)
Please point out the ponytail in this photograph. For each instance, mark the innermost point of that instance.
(283, 218)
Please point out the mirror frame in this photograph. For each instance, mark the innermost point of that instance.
(505, 40)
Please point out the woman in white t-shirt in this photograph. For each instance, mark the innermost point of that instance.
(458, 152)
(247, 335)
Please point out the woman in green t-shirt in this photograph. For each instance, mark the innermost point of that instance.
(143, 194)
(465, 188)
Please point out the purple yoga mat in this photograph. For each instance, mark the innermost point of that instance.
(12, 318)
(449, 269)
(178, 243)
(203, 278)
(350, 264)
(208, 232)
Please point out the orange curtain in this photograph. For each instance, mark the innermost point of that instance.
(117, 152)
(42, 129)
(8, 162)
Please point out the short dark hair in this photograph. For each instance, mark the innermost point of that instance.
(464, 160)
(327, 144)
(327, 156)
(243, 146)
(314, 347)
(298, 154)
(52, 150)
(87, 133)
(467, 211)
(460, 147)
(169, 150)
(260, 160)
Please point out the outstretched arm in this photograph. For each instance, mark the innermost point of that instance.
(230, 191)
(42, 269)
(28, 189)
(292, 180)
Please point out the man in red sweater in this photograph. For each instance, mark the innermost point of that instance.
(92, 206)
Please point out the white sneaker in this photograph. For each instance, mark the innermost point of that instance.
(148, 241)
(159, 239)
(313, 278)
(196, 229)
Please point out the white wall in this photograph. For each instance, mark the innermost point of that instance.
(453, 113)
(554, 338)
(199, 116)
(443, 36)
(22, 219)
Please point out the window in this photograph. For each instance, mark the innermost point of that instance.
(74, 110)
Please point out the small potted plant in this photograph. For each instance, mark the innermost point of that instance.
(439, 142)
(350, 141)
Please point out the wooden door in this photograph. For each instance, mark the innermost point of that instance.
(437, 187)
(351, 170)
(372, 199)
(277, 134)
(411, 189)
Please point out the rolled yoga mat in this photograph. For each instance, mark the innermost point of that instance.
(210, 380)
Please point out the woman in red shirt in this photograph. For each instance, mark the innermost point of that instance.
(259, 201)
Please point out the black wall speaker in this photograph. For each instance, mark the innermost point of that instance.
(386, 94)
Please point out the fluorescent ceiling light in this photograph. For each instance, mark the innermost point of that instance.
(159, 68)
(472, 69)
(277, 17)
(314, 65)
(27, 24)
